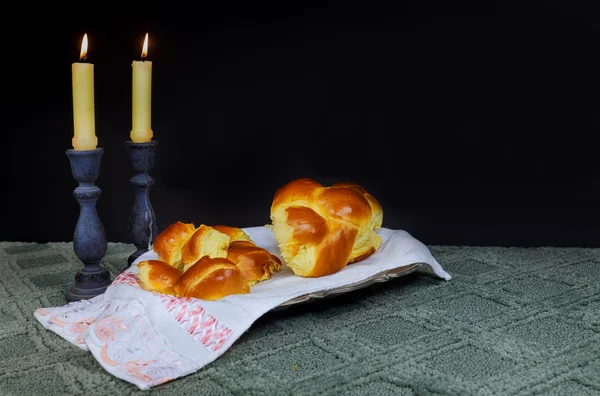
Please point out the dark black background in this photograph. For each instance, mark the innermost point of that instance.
(473, 123)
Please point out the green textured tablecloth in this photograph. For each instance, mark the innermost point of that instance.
(512, 321)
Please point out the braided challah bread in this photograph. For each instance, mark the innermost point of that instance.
(207, 262)
(320, 229)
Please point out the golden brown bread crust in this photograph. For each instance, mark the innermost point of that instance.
(367, 241)
(333, 255)
(169, 242)
(211, 279)
(208, 262)
(192, 247)
(234, 233)
(296, 191)
(205, 241)
(255, 263)
(376, 208)
(320, 229)
(158, 276)
(309, 227)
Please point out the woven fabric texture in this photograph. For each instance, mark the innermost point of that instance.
(512, 321)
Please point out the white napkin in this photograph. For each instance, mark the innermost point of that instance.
(148, 339)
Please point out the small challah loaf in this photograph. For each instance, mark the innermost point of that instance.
(320, 229)
(208, 262)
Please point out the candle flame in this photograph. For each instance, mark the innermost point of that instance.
(84, 48)
(145, 47)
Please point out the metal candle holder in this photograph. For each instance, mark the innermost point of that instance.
(142, 218)
(89, 239)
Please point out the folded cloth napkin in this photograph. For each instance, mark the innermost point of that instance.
(148, 338)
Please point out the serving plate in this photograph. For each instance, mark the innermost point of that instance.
(378, 278)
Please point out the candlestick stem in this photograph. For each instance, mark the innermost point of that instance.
(89, 238)
(142, 218)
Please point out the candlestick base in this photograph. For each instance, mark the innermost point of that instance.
(142, 218)
(89, 240)
(84, 289)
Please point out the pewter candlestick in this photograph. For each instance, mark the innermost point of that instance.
(89, 239)
(142, 219)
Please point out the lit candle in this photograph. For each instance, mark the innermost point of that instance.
(84, 136)
(141, 98)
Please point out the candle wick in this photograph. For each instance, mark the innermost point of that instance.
(83, 59)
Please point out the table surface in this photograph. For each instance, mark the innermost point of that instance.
(512, 321)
